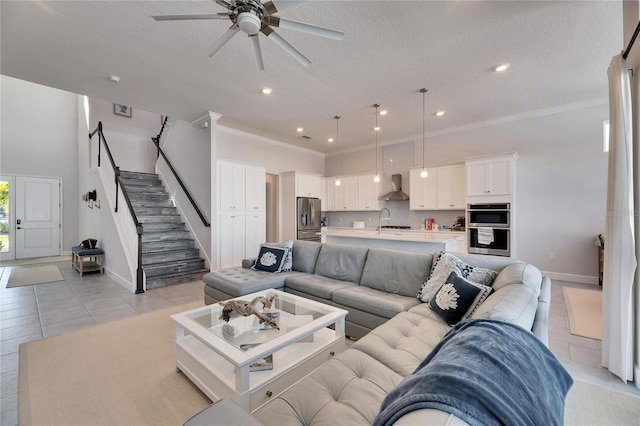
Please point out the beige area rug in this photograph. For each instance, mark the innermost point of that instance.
(117, 373)
(587, 404)
(30, 275)
(35, 260)
(585, 311)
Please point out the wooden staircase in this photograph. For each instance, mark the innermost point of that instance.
(169, 255)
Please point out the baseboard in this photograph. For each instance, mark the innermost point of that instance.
(582, 279)
(636, 376)
(120, 280)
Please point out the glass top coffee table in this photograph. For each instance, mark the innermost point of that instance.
(252, 362)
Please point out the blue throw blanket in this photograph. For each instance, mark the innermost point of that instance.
(485, 372)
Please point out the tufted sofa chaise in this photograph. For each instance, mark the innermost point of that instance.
(395, 330)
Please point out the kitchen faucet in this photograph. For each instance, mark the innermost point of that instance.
(388, 219)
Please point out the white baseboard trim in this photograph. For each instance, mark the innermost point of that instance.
(574, 278)
(636, 376)
(120, 280)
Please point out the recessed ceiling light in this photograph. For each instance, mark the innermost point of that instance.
(330, 140)
(114, 78)
(376, 129)
(384, 112)
(502, 67)
(266, 91)
(299, 129)
(440, 113)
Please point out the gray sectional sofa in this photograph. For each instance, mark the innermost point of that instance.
(396, 331)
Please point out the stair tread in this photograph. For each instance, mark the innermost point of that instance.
(178, 274)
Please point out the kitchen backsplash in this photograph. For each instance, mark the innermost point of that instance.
(400, 215)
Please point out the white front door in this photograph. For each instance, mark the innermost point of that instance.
(37, 219)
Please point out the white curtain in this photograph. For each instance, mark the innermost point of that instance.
(619, 255)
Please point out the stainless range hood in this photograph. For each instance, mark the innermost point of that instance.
(396, 194)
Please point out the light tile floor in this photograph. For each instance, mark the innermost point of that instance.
(35, 312)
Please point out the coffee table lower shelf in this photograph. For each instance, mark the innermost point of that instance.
(216, 377)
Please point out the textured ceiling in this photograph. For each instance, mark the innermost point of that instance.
(558, 51)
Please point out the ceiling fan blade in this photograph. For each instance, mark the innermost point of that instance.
(257, 52)
(222, 15)
(272, 35)
(223, 39)
(223, 3)
(305, 28)
(274, 6)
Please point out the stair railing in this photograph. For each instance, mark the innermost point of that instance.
(156, 142)
(120, 185)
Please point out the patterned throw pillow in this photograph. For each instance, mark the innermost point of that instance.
(270, 259)
(458, 298)
(288, 261)
(446, 263)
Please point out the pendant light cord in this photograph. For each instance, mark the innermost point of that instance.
(423, 108)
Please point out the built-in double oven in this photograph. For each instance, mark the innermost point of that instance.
(489, 228)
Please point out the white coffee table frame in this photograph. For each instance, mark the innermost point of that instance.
(221, 370)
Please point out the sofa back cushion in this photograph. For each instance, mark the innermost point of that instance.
(514, 303)
(305, 254)
(396, 272)
(340, 262)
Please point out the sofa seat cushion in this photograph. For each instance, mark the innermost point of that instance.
(340, 262)
(404, 341)
(316, 285)
(373, 301)
(240, 281)
(395, 271)
(348, 389)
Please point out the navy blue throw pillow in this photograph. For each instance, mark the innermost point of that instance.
(271, 259)
(458, 298)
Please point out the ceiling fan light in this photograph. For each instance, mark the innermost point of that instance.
(249, 23)
(424, 173)
(338, 183)
(376, 178)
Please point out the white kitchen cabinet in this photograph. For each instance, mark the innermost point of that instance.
(490, 176)
(423, 191)
(368, 193)
(329, 203)
(255, 189)
(232, 239)
(255, 227)
(451, 188)
(231, 180)
(347, 194)
(309, 186)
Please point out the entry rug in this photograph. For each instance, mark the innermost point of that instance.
(29, 275)
(585, 312)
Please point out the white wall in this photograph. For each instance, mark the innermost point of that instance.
(189, 150)
(129, 139)
(276, 156)
(560, 184)
(39, 138)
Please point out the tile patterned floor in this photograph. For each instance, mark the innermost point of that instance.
(35, 312)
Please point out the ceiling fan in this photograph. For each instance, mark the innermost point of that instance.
(253, 17)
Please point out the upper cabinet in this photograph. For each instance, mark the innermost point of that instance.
(255, 197)
(347, 194)
(355, 193)
(423, 191)
(309, 186)
(452, 188)
(491, 176)
(232, 186)
(368, 193)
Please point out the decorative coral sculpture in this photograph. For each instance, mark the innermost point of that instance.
(245, 309)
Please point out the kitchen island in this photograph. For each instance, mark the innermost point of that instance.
(418, 241)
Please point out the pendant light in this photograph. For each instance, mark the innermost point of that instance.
(337, 182)
(376, 178)
(423, 173)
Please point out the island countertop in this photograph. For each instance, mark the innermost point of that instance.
(398, 239)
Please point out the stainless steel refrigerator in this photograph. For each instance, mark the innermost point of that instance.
(308, 214)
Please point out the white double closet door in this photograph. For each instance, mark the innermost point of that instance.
(37, 217)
